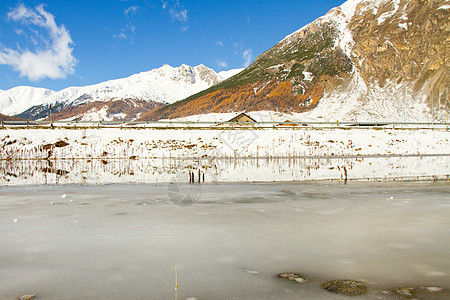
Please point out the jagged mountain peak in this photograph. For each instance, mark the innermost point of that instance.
(364, 60)
(163, 85)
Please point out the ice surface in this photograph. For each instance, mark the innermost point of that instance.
(124, 241)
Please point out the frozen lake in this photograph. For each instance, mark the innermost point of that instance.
(227, 241)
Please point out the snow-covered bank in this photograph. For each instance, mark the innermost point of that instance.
(147, 143)
(102, 156)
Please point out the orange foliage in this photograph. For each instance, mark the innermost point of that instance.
(316, 94)
(283, 88)
(275, 95)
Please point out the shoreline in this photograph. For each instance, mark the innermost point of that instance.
(428, 168)
(116, 143)
(101, 156)
(237, 158)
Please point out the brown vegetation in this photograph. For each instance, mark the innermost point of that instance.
(274, 95)
(8, 118)
(131, 108)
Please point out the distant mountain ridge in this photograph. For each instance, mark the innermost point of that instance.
(8, 118)
(18, 99)
(125, 98)
(363, 61)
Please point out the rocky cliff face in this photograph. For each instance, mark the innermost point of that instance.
(365, 60)
(401, 48)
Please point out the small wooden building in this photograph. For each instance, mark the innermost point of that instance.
(243, 118)
(287, 123)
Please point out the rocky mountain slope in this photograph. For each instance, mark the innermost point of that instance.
(365, 60)
(125, 98)
(8, 118)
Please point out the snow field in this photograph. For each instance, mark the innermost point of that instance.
(112, 143)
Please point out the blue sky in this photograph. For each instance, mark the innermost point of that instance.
(57, 43)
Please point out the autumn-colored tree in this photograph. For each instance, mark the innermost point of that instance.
(273, 95)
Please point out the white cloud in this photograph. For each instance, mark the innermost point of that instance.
(176, 12)
(54, 61)
(222, 64)
(128, 31)
(131, 27)
(120, 36)
(247, 56)
(219, 43)
(131, 10)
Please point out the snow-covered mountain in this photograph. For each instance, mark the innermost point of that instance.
(367, 60)
(399, 60)
(18, 99)
(156, 87)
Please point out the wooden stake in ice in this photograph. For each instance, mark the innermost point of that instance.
(176, 283)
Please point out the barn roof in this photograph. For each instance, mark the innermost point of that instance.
(241, 115)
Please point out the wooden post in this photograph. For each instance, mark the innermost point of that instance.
(345, 175)
(51, 110)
